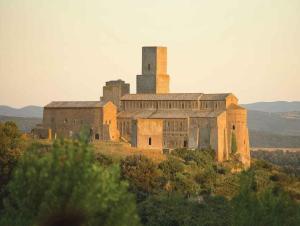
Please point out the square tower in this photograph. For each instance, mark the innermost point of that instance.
(154, 77)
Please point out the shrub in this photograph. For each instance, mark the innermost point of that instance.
(51, 188)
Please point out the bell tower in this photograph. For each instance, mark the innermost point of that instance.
(154, 77)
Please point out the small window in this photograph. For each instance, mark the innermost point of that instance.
(97, 136)
(185, 143)
(233, 127)
(148, 67)
(149, 141)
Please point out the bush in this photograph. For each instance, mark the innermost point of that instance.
(174, 209)
(65, 185)
(143, 175)
(11, 148)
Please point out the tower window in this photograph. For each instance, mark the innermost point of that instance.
(149, 141)
(148, 67)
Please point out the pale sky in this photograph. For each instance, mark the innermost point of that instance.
(67, 49)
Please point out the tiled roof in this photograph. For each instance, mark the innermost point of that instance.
(75, 104)
(176, 96)
(161, 114)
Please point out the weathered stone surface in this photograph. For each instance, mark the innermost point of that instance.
(154, 77)
(66, 119)
(114, 90)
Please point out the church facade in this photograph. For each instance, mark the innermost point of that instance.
(154, 118)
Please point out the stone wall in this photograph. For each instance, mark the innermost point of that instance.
(68, 122)
(175, 133)
(145, 84)
(173, 104)
(110, 120)
(154, 77)
(148, 133)
(237, 124)
(114, 90)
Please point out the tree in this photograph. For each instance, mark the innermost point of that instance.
(143, 175)
(267, 206)
(66, 186)
(175, 210)
(11, 148)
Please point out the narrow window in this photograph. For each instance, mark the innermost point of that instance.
(148, 67)
(185, 143)
(233, 127)
(149, 141)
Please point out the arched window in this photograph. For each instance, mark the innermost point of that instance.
(233, 127)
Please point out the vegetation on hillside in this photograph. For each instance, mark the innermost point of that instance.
(71, 183)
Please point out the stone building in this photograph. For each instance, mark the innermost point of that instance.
(67, 118)
(114, 90)
(154, 118)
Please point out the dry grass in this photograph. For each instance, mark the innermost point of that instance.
(116, 150)
(119, 150)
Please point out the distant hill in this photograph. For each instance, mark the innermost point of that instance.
(28, 111)
(277, 106)
(275, 123)
(24, 124)
(271, 140)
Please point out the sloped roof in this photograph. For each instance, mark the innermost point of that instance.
(176, 96)
(215, 96)
(75, 104)
(161, 114)
(234, 106)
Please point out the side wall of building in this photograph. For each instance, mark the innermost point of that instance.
(175, 133)
(68, 122)
(149, 133)
(110, 130)
(237, 125)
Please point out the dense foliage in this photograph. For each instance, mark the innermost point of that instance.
(289, 160)
(67, 187)
(68, 184)
(195, 190)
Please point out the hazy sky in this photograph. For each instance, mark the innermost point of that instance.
(67, 49)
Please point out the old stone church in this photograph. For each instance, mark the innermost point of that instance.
(154, 118)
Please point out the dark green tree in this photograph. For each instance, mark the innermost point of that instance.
(175, 210)
(67, 186)
(11, 148)
(256, 205)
